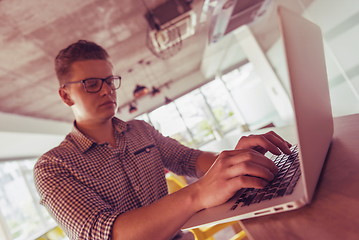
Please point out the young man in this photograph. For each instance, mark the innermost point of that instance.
(106, 179)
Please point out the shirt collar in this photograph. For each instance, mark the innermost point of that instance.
(84, 142)
(120, 125)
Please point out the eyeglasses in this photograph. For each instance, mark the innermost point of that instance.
(94, 85)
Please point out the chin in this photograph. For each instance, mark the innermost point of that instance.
(109, 112)
(110, 115)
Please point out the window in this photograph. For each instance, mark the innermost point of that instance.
(251, 97)
(168, 121)
(197, 116)
(144, 117)
(221, 106)
(21, 215)
(237, 101)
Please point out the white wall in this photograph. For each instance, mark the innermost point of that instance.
(23, 124)
(25, 137)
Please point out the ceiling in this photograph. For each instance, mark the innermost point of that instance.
(32, 33)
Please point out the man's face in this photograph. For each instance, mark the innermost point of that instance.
(93, 107)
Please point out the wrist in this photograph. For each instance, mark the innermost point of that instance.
(194, 194)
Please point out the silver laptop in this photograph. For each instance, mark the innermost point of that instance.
(296, 181)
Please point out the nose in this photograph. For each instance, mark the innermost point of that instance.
(106, 89)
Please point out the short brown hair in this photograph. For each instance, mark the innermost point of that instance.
(78, 51)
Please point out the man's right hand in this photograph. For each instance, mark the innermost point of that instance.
(233, 170)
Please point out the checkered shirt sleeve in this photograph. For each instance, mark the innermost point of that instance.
(77, 207)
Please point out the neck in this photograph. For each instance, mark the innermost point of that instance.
(101, 131)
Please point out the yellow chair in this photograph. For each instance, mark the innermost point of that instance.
(56, 234)
(175, 183)
(239, 236)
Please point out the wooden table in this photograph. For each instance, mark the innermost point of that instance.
(334, 211)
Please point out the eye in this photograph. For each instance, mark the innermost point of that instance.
(110, 80)
(93, 83)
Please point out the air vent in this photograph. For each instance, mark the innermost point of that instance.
(169, 24)
(228, 15)
(173, 32)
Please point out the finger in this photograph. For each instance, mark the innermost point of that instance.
(266, 142)
(278, 136)
(260, 143)
(236, 157)
(250, 169)
(279, 142)
(260, 150)
(247, 182)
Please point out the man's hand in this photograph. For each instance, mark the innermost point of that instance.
(263, 143)
(244, 167)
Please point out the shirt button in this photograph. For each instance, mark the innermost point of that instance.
(137, 188)
(148, 150)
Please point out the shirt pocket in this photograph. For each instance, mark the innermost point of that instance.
(146, 149)
(147, 157)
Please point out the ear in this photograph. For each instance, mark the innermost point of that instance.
(65, 96)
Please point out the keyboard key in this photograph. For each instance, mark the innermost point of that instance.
(267, 197)
(280, 192)
(284, 185)
(258, 198)
(248, 201)
(234, 207)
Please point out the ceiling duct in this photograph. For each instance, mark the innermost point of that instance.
(169, 24)
(228, 15)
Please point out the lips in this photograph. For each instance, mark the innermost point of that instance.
(108, 103)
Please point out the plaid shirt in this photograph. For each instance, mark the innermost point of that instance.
(86, 185)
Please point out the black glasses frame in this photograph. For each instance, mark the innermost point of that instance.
(102, 79)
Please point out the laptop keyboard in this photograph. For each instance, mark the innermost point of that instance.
(283, 183)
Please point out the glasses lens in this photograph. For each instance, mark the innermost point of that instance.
(114, 82)
(93, 85)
